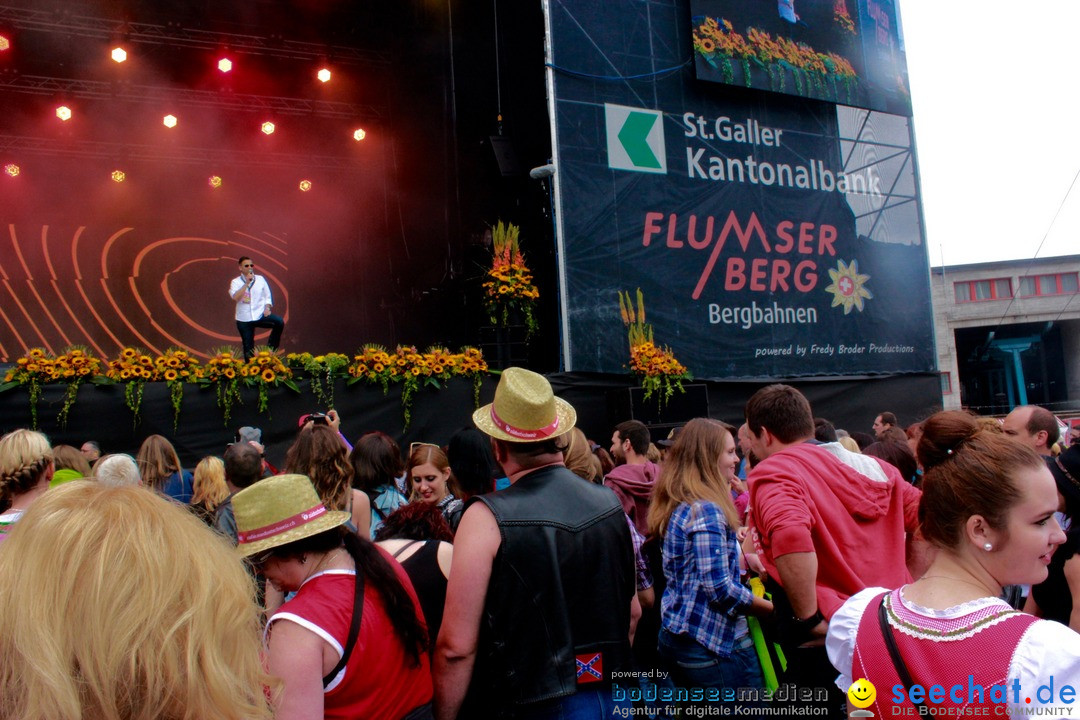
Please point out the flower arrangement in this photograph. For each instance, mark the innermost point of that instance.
(223, 371)
(509, 284)
(176, 367)
(39, 367)
(717, 42)
(31, 371)
(74, 366)
(657, 367)
(321, 369)
(134, 368)
(265, 370)
(436, 365)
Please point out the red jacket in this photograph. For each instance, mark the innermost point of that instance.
(806, 499)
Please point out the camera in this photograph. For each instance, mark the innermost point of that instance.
(318, 418)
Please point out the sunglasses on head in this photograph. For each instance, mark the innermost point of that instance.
(257, 561)
(414, 445)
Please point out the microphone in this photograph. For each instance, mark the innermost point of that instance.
(544, 171)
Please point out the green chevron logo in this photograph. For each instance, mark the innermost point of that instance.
(635, 139)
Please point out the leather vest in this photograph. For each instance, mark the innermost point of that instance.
(560, 589)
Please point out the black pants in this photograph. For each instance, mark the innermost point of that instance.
(247, 332)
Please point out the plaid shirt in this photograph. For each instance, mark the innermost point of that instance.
(644, 577)
(704, 597)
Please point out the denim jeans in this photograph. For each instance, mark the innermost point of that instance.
(695, 666)
(247, 333)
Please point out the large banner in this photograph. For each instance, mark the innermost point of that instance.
(845, 51)
(770, 236)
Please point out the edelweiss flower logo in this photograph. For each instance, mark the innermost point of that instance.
(847, 286)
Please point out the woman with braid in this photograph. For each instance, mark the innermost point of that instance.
(26, 467)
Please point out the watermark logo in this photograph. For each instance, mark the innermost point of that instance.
(635, 139)
(861, 694)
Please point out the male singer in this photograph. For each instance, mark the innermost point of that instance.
(254, 307)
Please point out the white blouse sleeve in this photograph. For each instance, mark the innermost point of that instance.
(1048, 650)
(843, 627)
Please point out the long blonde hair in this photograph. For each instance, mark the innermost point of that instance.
(208, 487)
(691, 472)
(579, 458)
(147, 614)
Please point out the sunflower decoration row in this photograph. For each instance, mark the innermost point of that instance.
(374, 364)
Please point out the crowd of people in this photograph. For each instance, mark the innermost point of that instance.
(521, 569)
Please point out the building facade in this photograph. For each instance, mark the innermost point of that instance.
(1008, 334)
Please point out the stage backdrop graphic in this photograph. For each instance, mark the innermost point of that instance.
(147, 263)
(770, 235)
(846, 51)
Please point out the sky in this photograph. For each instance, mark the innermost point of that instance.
(995, 91)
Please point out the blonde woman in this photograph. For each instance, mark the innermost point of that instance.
(148, 615)
(26, 467)
(210, 489)
(579, 458)
(703, 634)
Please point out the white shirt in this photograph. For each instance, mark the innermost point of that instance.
(1046, 649)
(254, 301)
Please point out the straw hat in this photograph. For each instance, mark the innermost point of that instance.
(525, 409)
(279, 510)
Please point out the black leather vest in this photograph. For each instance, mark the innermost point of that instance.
(561, 586)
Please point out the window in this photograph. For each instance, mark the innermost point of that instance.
(1056, 284)
(979, 290)
(946, 383)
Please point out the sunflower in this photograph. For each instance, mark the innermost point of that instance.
(171, 374)
(268, 375)
(230, 373)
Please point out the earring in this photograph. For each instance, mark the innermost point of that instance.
(988, 547)
(303, 558)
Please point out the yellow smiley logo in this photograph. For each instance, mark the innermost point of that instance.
(862, 693)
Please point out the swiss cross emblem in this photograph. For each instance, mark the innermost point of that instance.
(590, 667)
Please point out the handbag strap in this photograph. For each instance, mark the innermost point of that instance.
(354, 626)
(894, 653)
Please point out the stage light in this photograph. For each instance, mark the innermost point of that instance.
(169, 121)
(359, 134)
(305, 185)
(323, 75)
(224, 65)
(215, 181)
(268, 127)
(63, 112)
(118, 176)
(12, 169)
(5, 44)
(119, 54)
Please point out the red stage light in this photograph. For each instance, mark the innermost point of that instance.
(5, 44)
(12, 169)
(268, 127)
(169, 121)
(215, 181)
(224, 65)
(323, 75)
(119, 54)
(118, 176)
(63, 112)
(305, 185)
(359, 134)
